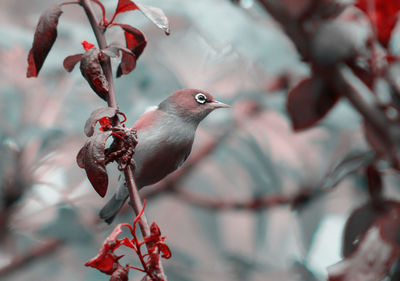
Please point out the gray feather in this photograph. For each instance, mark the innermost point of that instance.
(161, 149)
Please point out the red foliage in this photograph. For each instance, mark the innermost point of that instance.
(70, 61)
(309, 102)
(383, 14)
(92, 158)
(101, 115)
(136, 42)
(125, 5)
(86, 45)
(93, 72)
(108, 262)
(44, 38)
(158, 241)
(375, 254)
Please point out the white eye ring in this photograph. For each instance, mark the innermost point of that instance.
(200, 98)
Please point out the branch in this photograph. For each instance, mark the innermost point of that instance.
(36, 252)
(295, 201)
(372, 116)
(137, 206)
(135, 199)
(101, 40)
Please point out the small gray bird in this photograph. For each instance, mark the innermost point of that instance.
(165, 137)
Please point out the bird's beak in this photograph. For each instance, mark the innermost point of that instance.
(217, 104)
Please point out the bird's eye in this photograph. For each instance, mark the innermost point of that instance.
(201, 98)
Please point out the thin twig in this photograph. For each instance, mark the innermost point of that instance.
(137, 206)
(297, 33)
(38, 251)
(101, 40)
(371, 115)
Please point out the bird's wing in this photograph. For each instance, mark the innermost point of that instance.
(147, 119)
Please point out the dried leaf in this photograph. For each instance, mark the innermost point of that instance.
(44, 38)
(95, 161)
(309, 102)
(95, 116)
(70, 61)
(156, 15)
(92, 71)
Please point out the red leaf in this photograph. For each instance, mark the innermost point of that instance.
(128, 63)
(97, 115)
(156, 15)
(382, 14)
(113, 237)
(94, 161)
(105, 124)
(155, 229)
(136, 42)
(309, 102)
(105, 261)
(125, 5)
(93, 73)
(86, 45)
(166, 252)
(71, 61)
(44, 38)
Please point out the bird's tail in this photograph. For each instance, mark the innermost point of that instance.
(112, 207)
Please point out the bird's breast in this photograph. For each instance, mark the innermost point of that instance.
(161, 149)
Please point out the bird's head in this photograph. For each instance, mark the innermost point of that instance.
(191, 104)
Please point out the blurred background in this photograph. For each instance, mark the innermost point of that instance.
(49, 211)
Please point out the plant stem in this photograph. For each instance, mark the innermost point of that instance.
(34, 253)
(135, 199)
(101, 40)
(371, 115)
(137, 205)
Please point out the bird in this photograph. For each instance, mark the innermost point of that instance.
(165, 137)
